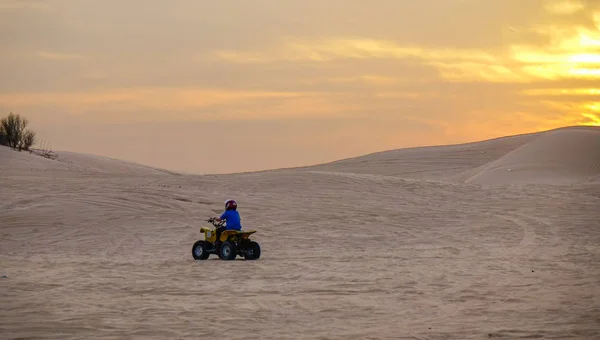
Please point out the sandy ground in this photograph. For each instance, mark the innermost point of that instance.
(428, 243)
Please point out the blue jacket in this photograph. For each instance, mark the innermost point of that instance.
(232, 219)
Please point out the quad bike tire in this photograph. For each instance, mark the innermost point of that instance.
(252, 251)
(228, 251)
(200, 251)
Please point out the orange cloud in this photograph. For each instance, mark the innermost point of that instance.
(370, 79)
(452, 63)
(58, 56)
(182, 103)
(564, 7)
(331, 49)
(146, 97)
(559, 50)
(562, 92)
(23, 4)
(571, 52)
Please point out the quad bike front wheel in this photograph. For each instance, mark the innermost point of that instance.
(252, 251)
(228, 251)
(199, 251)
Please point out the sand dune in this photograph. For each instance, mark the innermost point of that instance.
(15, 161)
(557, 157)
(94, 248)
(92, 163)
(430, 163)
(75, 162)
(561, 156)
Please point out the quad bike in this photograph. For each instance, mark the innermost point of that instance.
(231, 243)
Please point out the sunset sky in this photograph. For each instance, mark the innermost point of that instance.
(210, 86)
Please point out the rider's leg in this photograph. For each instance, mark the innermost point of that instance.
(219, 231)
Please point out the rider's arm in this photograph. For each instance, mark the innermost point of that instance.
(222, 217)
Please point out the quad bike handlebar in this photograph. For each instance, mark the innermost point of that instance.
(215, 222)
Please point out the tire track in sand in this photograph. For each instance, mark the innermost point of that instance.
(529, 235)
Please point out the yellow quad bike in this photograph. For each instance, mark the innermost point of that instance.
(232, 243)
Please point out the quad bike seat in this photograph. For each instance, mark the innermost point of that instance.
(230, 232)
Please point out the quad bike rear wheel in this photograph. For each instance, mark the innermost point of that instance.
(228, 251)
(199, 251)
(252, 251)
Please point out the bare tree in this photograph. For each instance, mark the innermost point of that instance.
(27, 140)
(14, 133)
(3, 140)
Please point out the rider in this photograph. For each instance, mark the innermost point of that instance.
(231, 216)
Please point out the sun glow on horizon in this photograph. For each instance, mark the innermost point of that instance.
(592, 119)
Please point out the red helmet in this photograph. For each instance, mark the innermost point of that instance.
(230, 205)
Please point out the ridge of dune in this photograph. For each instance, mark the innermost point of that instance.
(73, 161)
(437, 163)
(102, 164)
(562, 156)
(559, 156)
(19, 161)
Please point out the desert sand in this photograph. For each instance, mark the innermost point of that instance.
(491, 239)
